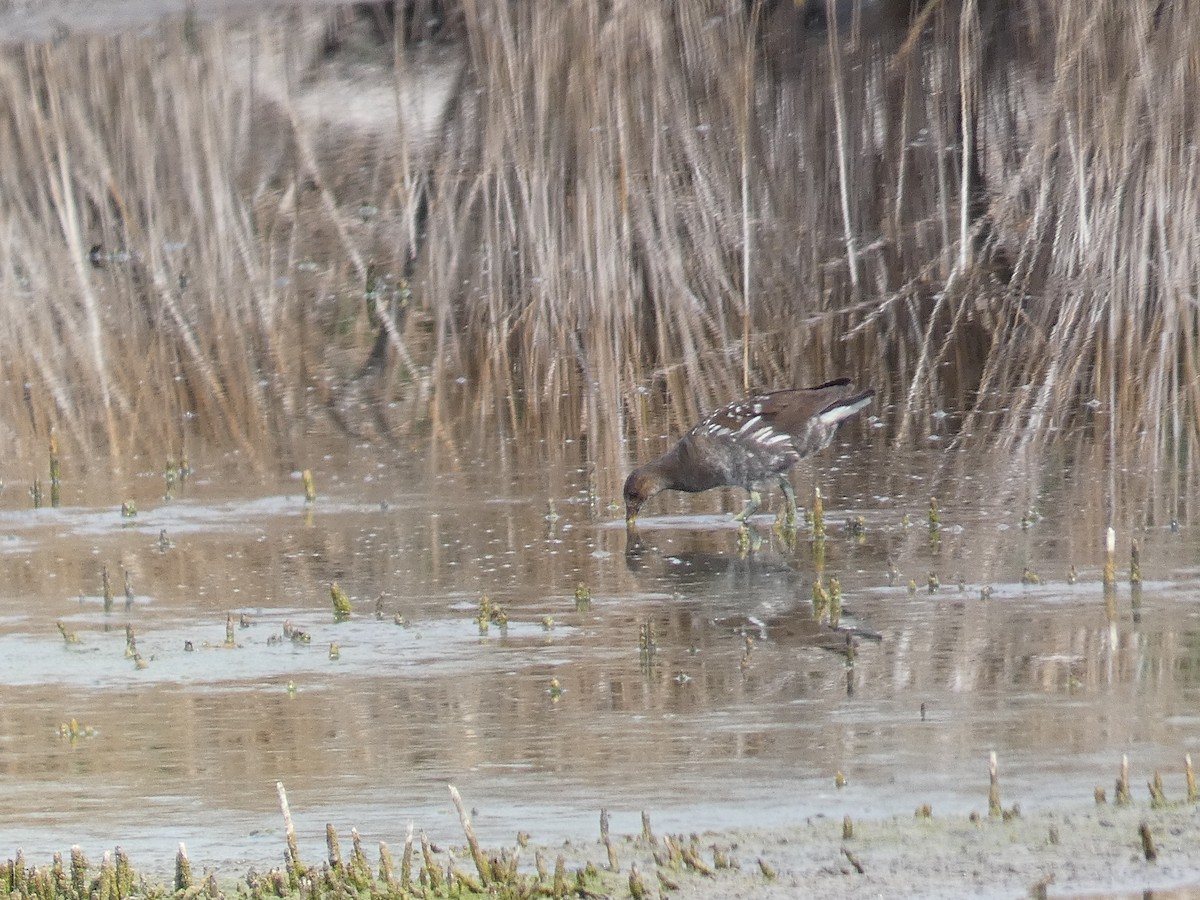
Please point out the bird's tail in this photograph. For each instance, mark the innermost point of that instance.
(840, 410)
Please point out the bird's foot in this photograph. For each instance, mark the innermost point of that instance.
(750, 508)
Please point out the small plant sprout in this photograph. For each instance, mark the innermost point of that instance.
(1123, 797)
(485, 869)
(1110, 557)
(606, 839)
(106, 589)
(73, 731)
(648, 832)
(55, 471)
(1158, 796)
(583, 597)
(820, 601)
(128, 509)
(490, 614)
(637, 887)
(183, 870)
(341, 603)
(310, 490)
(994, 808)
(1148, 848)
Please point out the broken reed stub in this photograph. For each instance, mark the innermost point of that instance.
(183, 869)
(994, 808)
(481, 863)
(295, 868)
(1148, 848)
(1110, 557)
(1123, 797)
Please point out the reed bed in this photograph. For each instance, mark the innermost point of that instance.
(616, 218)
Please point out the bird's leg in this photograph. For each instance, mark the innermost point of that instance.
(752, 506)
(788, 514)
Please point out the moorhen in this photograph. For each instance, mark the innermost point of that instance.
(747, 443)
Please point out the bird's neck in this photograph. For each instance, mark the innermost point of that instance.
(681, 469)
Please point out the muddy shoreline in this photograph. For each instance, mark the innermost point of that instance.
(1085, 851)
(1095, 851)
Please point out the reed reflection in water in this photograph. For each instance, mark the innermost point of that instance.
(741, 715)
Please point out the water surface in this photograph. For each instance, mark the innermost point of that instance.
(743, 715)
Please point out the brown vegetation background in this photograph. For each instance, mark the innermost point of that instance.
(570, 219)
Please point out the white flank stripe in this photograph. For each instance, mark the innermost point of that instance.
(749, 424)
(836, 414)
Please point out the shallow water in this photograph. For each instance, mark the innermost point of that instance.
(701, 735)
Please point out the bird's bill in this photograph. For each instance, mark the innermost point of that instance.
(631, 514)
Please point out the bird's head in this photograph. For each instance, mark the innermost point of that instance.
(640, 486)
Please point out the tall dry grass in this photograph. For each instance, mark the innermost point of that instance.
(176, 269)
(625, 215)
(138, 148)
